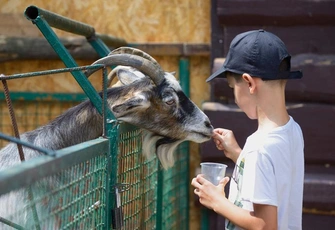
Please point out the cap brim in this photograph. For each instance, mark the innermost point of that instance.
(295, 75)
(219, 73)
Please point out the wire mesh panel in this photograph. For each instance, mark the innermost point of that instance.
(175, 192)
(30, 114)
(139, 201)
(73, 197)
(140, 207)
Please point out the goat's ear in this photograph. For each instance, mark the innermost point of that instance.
(127, 77)
(173, 73)
(130, 104)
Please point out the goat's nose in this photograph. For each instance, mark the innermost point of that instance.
(208, 124)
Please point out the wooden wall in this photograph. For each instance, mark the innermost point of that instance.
(140, 21)
(308, 29)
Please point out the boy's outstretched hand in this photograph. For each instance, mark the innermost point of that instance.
(224, 140)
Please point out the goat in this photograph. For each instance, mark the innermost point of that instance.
(161, 108)
(144, 96)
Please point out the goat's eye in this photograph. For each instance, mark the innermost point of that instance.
(170, 102)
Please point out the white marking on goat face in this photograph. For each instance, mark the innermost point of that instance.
(172, 81)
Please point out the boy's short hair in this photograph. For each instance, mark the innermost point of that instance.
(260, 54)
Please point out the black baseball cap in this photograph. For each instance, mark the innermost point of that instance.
(260, 54)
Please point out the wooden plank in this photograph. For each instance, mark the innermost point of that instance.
(318, 82)
(19, 48)
(319, 192)
(298, 39)
(312, 221)
(174, 49)
(278, 13)
(217, 34)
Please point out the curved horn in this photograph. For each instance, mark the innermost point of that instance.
(134, 51)
(135, 58)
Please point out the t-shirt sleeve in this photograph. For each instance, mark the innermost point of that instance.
(259, 182)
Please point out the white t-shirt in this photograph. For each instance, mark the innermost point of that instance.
(270, 170)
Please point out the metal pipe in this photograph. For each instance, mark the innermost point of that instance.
(41, 96)
(27, 173)
(184, 78)
(11, 224)
(159, 200)
(184, 75)
(27, 144)
(70, 25)
(47, 72)
(59, 22)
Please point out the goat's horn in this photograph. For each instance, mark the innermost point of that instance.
(135, 58)
(134, 51)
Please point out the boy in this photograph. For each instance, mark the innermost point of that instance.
(266, 188)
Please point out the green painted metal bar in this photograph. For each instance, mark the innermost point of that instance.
(100, 47)
(159, 201)
(11, 224)
(27, 144)
(204, 222)
(36, 96)
(184, 75)
(184, 78)
(18, 177)
(53, 71)
(112, 170)
(69, 62)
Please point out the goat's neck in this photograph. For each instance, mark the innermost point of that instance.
(78, 124)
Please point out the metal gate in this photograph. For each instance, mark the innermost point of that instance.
(90, 175)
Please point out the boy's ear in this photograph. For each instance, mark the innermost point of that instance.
(250, 81)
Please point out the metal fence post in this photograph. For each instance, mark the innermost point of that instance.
(112, 135)
(184, 78)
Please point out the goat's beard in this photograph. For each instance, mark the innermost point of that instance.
(163, 146)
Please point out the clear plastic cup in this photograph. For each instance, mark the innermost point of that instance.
(213, 172)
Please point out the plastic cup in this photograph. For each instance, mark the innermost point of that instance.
(213, 172)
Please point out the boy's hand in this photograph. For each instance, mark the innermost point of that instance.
(209, 194)
(225, 141)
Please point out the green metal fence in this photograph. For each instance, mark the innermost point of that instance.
(79, 199)
(85, 177)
